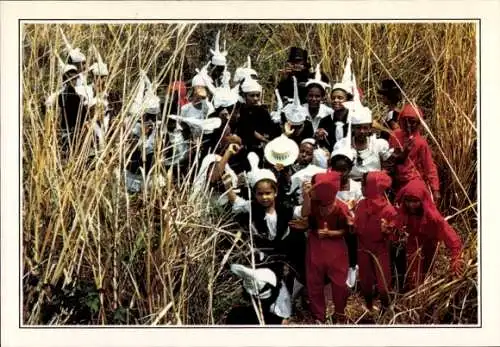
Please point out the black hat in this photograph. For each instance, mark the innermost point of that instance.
(389, 86)
(297, 54)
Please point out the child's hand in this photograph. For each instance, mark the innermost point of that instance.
(232, 149)
(288, 129)
(325, 232)
(321, 134)
(227, 181)
(386, 227)
(300, 223)
(279, 167)
(306, 189)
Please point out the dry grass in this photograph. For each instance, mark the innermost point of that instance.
(94, 255)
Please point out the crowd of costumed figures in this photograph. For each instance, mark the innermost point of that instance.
(336, 200)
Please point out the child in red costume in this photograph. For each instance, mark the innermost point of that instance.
(375, 219)
(326, 255)
(425, 226)
(413, 157)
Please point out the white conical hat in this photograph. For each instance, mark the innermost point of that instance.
(218, 57)
(224, 96)
(346, 84)
(256, 174)
(201, 79)
(74, 53)
(63, 66)
(254, 280)
(294, 112)
(347, 76)
(137, 106)
(317, 79)
(99, 68)
(358, 113)
(244, 72)
(276, 115)
(251, 85)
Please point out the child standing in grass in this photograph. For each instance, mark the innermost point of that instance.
(270, 218)
(326, 255)
(350, 194)
(412, 154)
(375, 218)
(425, 226)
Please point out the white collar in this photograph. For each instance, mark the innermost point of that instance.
(323, 112)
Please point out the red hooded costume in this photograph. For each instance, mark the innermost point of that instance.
(180, 88)
(374, 245)
(419, 163)
(424, 232)
(326, 257)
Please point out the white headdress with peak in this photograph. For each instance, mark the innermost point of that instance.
(346, 83)
(276, 115)
(63, 66)
(250, 85)
(244, 72)
(256, 174)
(218, 57)
(358, 113)
(99, 68)
(224, 96)
(294, 112)
(254, 280)
(202, 79)
(317, 79)
(146, 99)
(74, 53)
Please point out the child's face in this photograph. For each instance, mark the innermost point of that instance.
(265, 194)
(412, 204)
(362, 130)
(252, 98)
(410, 125)
(338, 98)
(314, 97)
(305, 154)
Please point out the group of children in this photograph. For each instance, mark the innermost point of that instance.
(325, 193)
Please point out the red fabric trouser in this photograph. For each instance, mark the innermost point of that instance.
(419, 262)
(326, 258)
(374, 269)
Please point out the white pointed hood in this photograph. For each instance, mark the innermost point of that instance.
(218, 57)
(358, 113)
(99, 68)
(256, 174)
(317, 79)
(245, 71)
(346, 83)
(294, 112)
(74, 53)
(63, 66)
(202, 79)
(224, 96)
